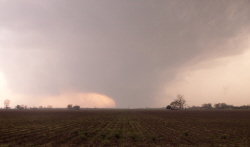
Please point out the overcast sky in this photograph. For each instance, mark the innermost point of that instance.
(109, 53)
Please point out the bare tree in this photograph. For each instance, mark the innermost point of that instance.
(6, 103)
(179, 102)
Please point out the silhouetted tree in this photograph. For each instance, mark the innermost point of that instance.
(181, 101)
(207, 106)
(222, 106)
(20, 107)
(169, 107)
(6, 103)
(174, 104)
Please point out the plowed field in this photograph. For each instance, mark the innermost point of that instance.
(103, 127)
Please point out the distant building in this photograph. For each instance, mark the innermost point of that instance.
(71, 107)
(76, 107)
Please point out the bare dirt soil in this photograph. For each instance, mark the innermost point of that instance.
(121, 127)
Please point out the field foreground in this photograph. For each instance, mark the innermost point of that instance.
(99, 127)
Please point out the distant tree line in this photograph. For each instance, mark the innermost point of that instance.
(219, 106)
(22, 107)
(180, 104)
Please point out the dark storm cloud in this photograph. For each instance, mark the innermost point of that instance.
(126, 50)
